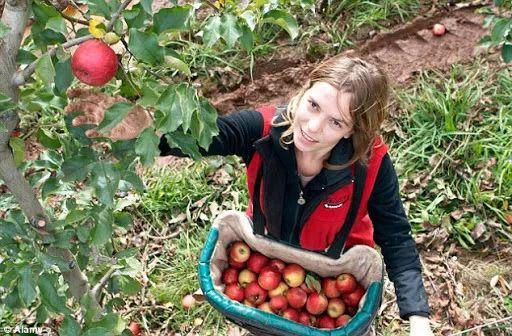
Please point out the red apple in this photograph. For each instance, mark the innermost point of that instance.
(329, 288)
(240, 251)
(229, 276)
(291, 314)
(94, 63)
(265, 306)
(248, 303)
(342, 320)
(234, 292)
(306, 288)
(294, 275)
(277, 263)
(188, 301)
(351, 310)
(269, 278)
(297, 297)
(439, 29)
(326, 322)
(307, 319)
(246, 277)
(335, 307)
(256, 262)
(281, 289)
(316, 303)
(235, 264)
(255, 294)
(278, 304)
(134, 328)
(352, 299)
(346, 283)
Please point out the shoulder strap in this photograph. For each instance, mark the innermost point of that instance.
(268, 113)
(338, 245)
(257, 215)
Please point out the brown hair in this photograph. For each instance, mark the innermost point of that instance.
(369, 87)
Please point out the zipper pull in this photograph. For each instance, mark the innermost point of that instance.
(301, 200)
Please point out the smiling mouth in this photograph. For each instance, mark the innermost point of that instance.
(307, 137)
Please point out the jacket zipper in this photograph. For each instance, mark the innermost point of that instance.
(300, 202)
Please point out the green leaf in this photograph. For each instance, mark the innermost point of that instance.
(114, 115)
(177, 105)
(41, 314)
(506, 52)
(204, 125)
(49, 261)
(5, 105)
(63, 239)
(211, 31)
(45, 70)
(128, 253)
(128, 285)
(100, 7)
(18, 149)
(49, 295)
(26, 286)
(176, 63)
(3, 30)
(229, 29)
(123, 219)
(47, 140)
(25, 57)
(134, 180)
(57, 24)
(63, 75)
(247, 38)
(146, 146)
(76, 168)
(135, 17)
(69, 327)
(105, 180)
(313, 282)
(83, 233)
(500, 30)
(110, 321)
(145, 48)
(76, 216)
(43, 12)
(174, 18)
(249, 18)
(147, 6)
(185, 142)
(50, 186)
(284, 20)
(102, 232)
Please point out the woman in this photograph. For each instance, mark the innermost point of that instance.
(301, 161)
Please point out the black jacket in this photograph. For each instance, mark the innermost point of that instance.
(392, 231)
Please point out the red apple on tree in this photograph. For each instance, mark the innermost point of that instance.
(234, 292)
(293, 275)
(94, 63)
(335, 307)
(346, 283)
(296, 297)
(256, 262)
(255, 294)
(316, 303)
(240, 252)
(246, 277)
(134, 328)
(269, 278)
(229, 276)
(329, 288)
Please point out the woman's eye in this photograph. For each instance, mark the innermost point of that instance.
(313, 104)
(336, 123)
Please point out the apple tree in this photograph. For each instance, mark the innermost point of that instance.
(501, 29)
(59, 256)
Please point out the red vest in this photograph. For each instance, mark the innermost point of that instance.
(321, 227)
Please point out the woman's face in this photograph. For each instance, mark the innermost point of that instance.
(322, 119)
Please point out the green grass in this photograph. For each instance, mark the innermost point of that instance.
(456, 135)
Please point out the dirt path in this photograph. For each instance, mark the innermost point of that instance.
(401, 52)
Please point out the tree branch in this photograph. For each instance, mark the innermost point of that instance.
(114, 17)
(96, 290)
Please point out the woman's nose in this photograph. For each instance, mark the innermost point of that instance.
(314, 125)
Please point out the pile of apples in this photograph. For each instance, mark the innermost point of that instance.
(288, 290)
